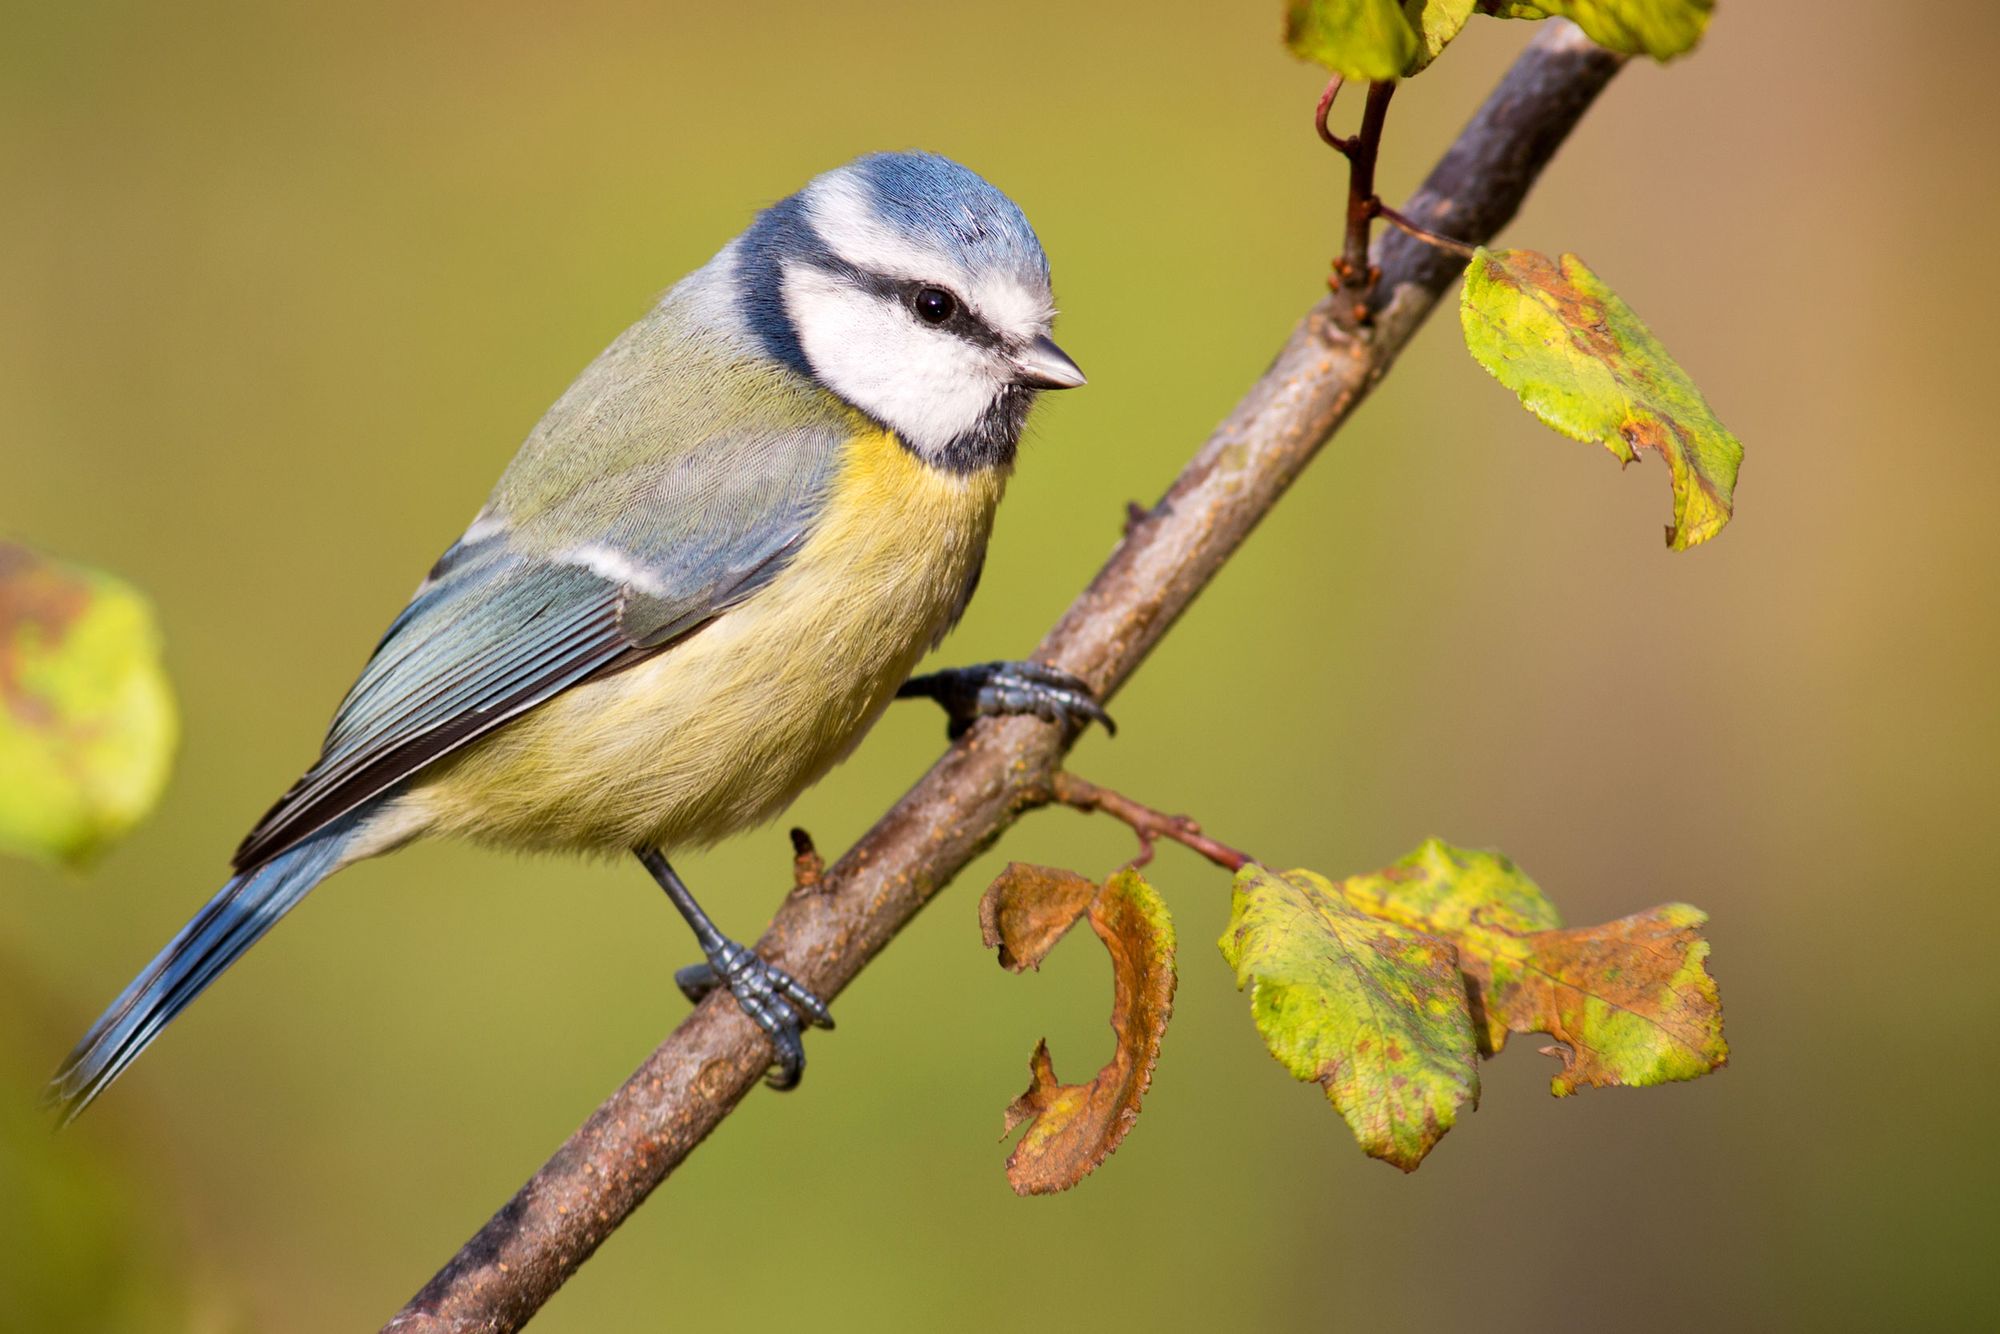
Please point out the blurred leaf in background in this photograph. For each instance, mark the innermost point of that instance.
(87, 720)
(1661, 29)
(1436, 22)
(1360, 39)
(1392, 39)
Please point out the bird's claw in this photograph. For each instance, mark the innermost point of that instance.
(772, 997)
(991, 689)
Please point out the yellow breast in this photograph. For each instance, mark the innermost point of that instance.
(724, 729)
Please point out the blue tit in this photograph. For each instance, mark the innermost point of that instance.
(707, 571)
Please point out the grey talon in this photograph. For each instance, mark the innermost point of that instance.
(772, 997)
(994, 689)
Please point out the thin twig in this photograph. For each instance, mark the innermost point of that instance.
(1003, 766)
(1345, 147)
(1150, 825)
(1352, 276)
(1424, 234)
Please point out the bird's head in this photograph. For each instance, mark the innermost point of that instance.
(915, 291)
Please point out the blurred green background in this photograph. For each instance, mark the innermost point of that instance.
(281, 287)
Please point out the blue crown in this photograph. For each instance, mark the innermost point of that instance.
(934, 202)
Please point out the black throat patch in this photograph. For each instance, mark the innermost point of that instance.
(993, 438)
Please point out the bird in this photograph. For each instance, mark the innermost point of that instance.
(707, 571)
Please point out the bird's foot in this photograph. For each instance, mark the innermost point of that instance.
(992, 689)
(769, 995)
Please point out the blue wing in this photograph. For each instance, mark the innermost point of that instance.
(497, 630)
(676, 476)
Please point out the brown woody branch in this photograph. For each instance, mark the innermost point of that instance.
(825, 933)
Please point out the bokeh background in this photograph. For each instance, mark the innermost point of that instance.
(282, 286)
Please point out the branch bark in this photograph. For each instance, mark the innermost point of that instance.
(824, 934)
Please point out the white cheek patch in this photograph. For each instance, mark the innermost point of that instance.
(929, 386)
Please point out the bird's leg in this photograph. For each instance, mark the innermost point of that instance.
(989, 689)
(768, 994)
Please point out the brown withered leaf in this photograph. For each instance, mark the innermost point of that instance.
(1631, 1001)
(1028, 908)
(1074, 1127)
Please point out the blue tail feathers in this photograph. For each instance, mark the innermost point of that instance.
(234, 920)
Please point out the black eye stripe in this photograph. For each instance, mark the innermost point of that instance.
(958, 319)
(904, 291)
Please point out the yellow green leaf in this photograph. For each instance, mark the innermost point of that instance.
(87, 721)
(1074, 1127)
(1360, 39)
(1436, 22)
(1661, 29)
(1449, 891)
(1373, 39)
(1373, 1011)
(1579, 359)
(1632, 1000)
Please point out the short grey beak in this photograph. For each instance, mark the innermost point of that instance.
(1043, 365)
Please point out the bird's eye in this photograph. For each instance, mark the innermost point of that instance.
(934, 305)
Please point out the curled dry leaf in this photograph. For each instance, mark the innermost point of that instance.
(1028, 908)
(1074, 1127)
(1632, 1000)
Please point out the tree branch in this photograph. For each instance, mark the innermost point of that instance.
(825, 933)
